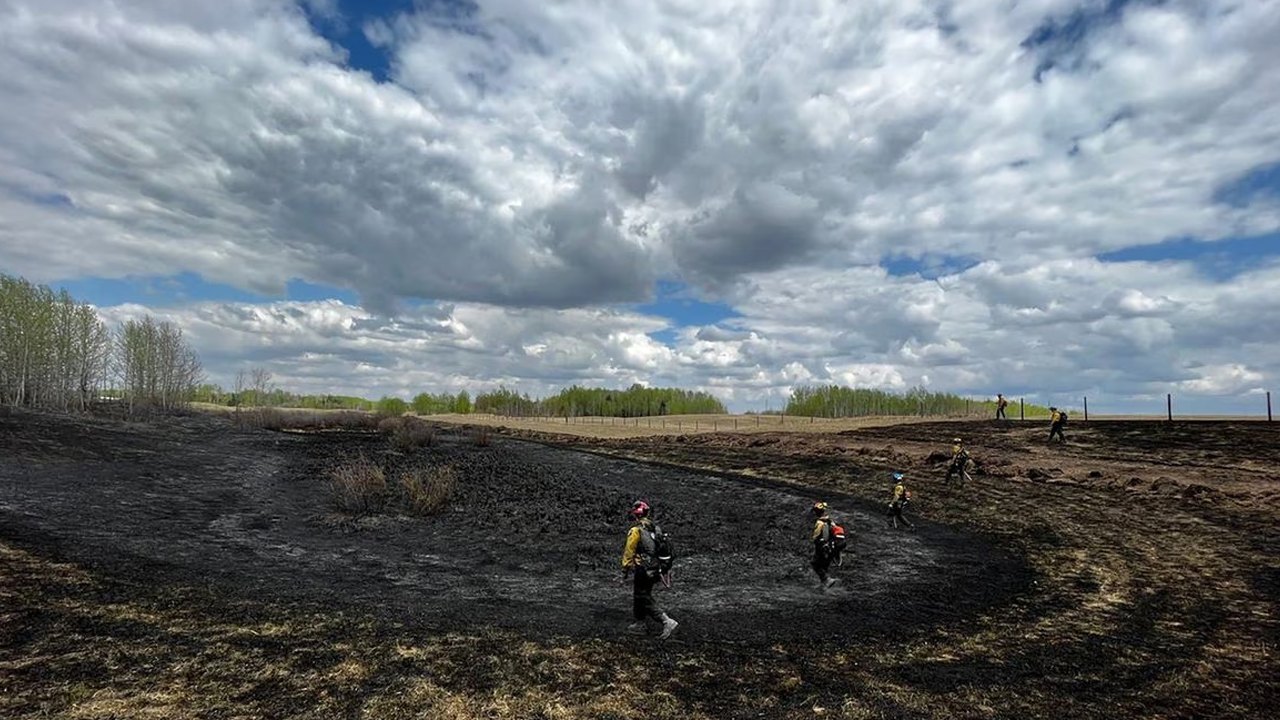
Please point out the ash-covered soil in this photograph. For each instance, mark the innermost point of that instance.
(531, 540)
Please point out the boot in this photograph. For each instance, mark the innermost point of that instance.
(668, 626)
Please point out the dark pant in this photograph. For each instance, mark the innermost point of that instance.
(1056, 429)
(644, 605)
(895, 514)
(957, 468)
(822, 563)
(1000, 413)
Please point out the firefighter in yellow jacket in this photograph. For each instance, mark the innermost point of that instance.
(638, 559)
(901, 496)
(1057, 420)
(825, 550)
(959, 462)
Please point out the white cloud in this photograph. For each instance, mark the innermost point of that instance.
(1223, 380)
(567, 154)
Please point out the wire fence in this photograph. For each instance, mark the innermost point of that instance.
(1257, 406)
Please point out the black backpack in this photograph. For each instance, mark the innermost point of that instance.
(1062, 417)
(659, 550)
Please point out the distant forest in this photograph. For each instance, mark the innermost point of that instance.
(56, 353)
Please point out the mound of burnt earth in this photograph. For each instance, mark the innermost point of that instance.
(531, 539)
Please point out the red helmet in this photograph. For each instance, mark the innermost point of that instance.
(639, 509)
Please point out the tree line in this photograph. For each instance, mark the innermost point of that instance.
(577, 401)
(58, 354)
(834, 401)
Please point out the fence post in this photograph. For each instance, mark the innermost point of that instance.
(1086, 408)
(1168, 399)
(1022, 408)
(1268, 406)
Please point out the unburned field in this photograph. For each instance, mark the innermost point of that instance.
(193, 567)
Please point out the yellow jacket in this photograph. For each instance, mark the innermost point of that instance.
(631, 557)
(899, 491)
(817, 527)
(1057, 416)
(958, 452)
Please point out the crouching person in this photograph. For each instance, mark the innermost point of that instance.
(641, 558)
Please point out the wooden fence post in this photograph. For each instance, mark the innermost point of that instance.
(1268, 406)
(1086, 408)
(1168, 399)
(1022, 408)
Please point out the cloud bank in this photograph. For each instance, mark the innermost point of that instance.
(885, 193)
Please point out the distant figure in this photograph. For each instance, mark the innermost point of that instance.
(1001, 404)
(1057, 421)
(640, 557)
(901, 496)
(828, 544)
(959, 462)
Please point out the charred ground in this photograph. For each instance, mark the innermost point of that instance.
(1131, 572)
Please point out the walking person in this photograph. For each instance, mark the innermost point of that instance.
(959, 462)
(1001, 404)
(901, 496)
(828, 544)
(1057, 421)
(640, 559)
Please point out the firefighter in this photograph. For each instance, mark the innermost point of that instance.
(1057, 421)
(826, 545)
(638, 560)
(901, 496)
(959, 462)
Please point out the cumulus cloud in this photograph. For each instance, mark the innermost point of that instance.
(529, 165)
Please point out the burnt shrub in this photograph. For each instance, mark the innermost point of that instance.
(358, 485)
(427, 490)
(411, 435)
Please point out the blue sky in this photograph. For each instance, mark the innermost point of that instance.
(1055, 198)
(347, 30)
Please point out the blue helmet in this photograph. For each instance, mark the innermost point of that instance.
(897, 476)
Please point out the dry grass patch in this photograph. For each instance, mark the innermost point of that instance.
(614, 427)
(295, 420)
(426, 491)
(358, 485)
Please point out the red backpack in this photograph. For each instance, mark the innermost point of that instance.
(836, 539)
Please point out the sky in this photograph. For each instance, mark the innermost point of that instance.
(1051, 199)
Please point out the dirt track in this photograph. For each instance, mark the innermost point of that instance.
(1131, 573)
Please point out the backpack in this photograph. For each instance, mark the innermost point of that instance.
(1062, 417)
(659, 550)
(836, 538)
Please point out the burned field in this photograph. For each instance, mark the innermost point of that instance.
(190, 568)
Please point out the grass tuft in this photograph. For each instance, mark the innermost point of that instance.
(358, 485)
(426, 491)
